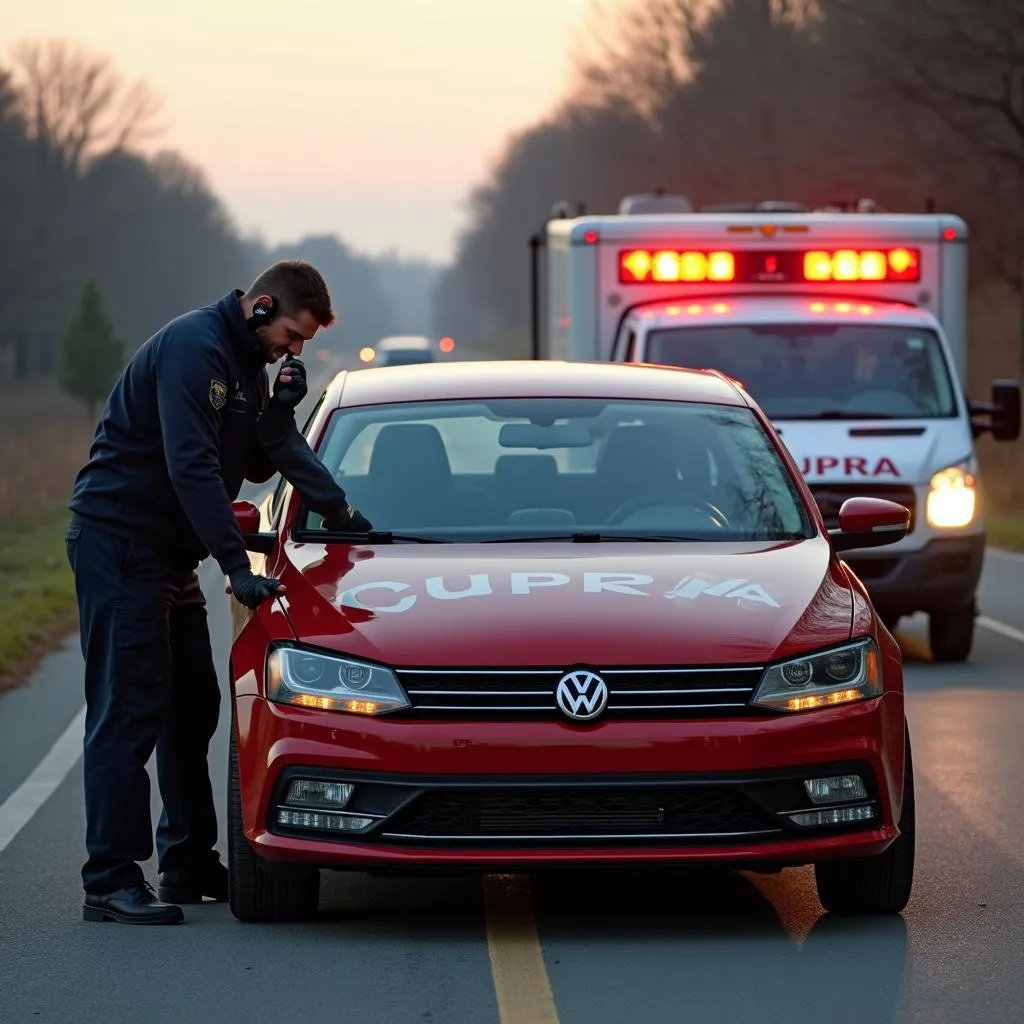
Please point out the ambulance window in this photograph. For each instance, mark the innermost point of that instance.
(810, 370)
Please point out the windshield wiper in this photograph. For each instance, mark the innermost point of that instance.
(384, 537)
(593, 538)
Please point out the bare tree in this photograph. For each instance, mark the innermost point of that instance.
(957, 68)
(77, 110)
(636, 52)
(77, 105)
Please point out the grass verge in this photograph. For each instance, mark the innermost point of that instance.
(37, 592)
(1005, 532)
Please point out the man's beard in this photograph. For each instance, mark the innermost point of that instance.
(271, 352)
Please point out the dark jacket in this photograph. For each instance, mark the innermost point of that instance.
(179, 435)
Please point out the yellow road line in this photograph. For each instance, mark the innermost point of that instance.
(517, 965)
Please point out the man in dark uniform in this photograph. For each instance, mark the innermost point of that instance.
(190, 419)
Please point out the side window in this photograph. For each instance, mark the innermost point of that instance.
(275, 505)
(282, 484)
(312, 416)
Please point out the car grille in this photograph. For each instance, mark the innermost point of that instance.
(530, 693)
(581, 813)
(831, 496)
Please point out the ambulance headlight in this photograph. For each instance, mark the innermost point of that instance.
(953, 496)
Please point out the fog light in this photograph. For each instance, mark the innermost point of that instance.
(835, 789)
(834, 816)
(317, 793)
(330, 821)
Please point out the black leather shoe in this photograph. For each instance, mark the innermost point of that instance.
(134, 904)
(191, 887)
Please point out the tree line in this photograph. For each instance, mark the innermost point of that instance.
(910, 103)
(80, 203)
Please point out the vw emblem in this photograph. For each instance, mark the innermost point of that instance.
(581, 695)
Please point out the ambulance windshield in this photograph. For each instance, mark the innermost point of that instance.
(818, 371)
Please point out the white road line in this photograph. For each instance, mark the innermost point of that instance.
(1001, 628)
(18, 809)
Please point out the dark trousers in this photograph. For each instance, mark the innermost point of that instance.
(150, 682)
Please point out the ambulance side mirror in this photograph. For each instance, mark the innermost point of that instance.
(869, 523)
(247, 515)
(1000, 417)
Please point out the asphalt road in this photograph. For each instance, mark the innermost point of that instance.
(595, 950)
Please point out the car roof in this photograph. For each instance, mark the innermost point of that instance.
(761, 309)
(530, 378)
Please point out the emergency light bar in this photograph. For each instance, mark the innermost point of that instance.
(669, 266)
(857, 265)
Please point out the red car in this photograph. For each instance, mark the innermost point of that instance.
(599, 621)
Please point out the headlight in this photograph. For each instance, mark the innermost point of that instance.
(952, 496)
(838, 676)
(313, 680)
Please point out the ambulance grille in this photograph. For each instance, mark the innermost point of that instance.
(524, 694)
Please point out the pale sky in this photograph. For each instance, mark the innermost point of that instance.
(366, 118)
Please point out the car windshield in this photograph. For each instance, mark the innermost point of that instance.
(807, 371)
(532, 468)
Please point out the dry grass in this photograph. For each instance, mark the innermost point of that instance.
(37, 592)
(44, 441)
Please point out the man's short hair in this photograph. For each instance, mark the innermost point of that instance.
(295, 285)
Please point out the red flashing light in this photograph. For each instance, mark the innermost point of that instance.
(949, 234)
(590, 237)
(670, 265)
(446, 344)
(862, 265)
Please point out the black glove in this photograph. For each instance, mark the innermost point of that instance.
(290, 393)
(251, 589)
(349, 521)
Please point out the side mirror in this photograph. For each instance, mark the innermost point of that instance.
(1003, 412)
(870, 523)
(247, 515)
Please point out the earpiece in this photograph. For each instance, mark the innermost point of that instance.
(262, 314)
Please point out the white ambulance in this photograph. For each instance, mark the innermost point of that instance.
(848, 328)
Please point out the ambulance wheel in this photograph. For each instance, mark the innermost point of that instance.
(880, 884)
(254, 892)
(951, 633)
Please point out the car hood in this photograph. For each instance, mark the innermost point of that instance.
(555, 604)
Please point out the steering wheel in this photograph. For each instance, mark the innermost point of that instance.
(715, 514)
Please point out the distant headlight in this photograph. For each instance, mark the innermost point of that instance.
(841, 675)
(310, 679)
(952, 497)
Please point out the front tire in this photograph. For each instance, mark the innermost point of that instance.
(880, 884)
(254, 893)
(951, 633)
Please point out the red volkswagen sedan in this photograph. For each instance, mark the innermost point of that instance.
(599, 621)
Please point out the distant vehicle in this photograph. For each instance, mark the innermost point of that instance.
(402, 349)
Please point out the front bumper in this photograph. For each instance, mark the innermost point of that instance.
(504, 796)
(943, 574)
